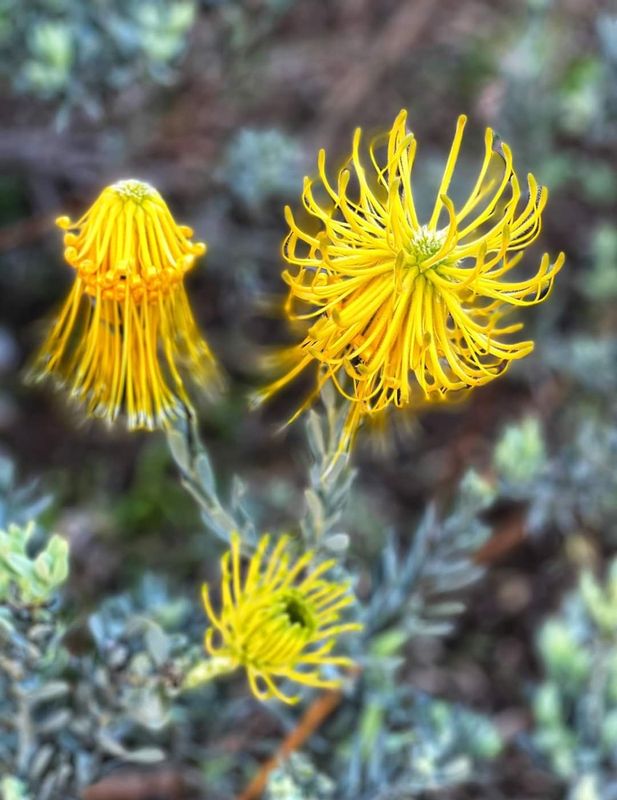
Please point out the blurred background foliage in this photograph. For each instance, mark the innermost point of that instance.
(495, 515)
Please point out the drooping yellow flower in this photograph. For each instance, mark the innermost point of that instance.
(126, 330)
(409, 309)
(280, 623)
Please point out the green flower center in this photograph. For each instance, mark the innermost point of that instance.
(426, 243)
(423, 245)
(298, 611)
(134, 190)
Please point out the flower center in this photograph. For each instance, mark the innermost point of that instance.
(424, 244)
(134, 190)
(298, 612)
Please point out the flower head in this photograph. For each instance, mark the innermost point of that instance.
(405, 309)
(126, 329)
(281, 622)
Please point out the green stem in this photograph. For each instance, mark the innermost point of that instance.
(208, 670)
(193, 461)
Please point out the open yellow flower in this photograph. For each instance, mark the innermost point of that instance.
(280, 623)
(408, 310)
(126, 329)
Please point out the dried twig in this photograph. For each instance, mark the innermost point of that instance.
(507, 538)
(320, 709)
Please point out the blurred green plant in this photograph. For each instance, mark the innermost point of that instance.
(573, 489)
(19, 504)
(64, 715)
(520, 454)
(404, 741)
(79, 52)
(408, 743)
(575, 707)
(297, 779)
(198, 478)
(601, 282)
(259, 165)
(578, 82)
(30, 581)
(411, 745)
(115, 699)
(248, 22)
(590, 362)
(414, 592)
(154, 496)
(12, 789)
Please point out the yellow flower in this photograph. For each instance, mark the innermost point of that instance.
(127, 329)
(406, 309)
(280, 623)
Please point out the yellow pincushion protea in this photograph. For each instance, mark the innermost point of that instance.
(280, 623)
(126, 329)
(405, 310)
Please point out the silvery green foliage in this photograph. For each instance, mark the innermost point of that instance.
(30, 581)
(520, 453)
(12, 789)
(78, 51)
(606, 26)
(579, 85)
(600, 283)
(591, 361)
(19, 504)
(404, 742)
(30, 648)
(139, 656)
(572, 488)
(575, 707)
(67, 717)
(330, 478)
(197, 475)
(261, 164)
(297, 779)
(455, 748)
(413, 591)
(77, 715)
(409, 743)
(247, 24)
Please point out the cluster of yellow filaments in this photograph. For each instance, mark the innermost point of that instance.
(405, 312)
(126, 329)
(280, 623)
